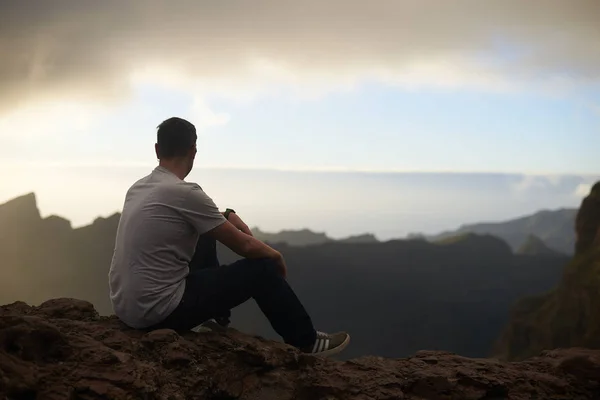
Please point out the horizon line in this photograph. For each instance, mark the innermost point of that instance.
(297, 229)
(315, 169)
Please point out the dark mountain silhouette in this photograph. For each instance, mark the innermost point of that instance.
(490, 245)
(568, 314)
(395, 297)
(554, 227)
(399, 297)
(533, 245)
(587, 221)
(306, 237)
(302, 237)
(364, 238)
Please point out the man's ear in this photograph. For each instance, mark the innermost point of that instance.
(156, 150)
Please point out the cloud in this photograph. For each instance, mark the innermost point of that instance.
(583, 189)
(528, 182)
(206, 116)
(48, 118)
(84, 49)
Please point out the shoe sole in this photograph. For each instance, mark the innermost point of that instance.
(201, 329)
(209, 327)
(335, 350)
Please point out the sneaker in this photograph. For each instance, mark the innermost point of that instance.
(210, 325)
(328, 344)
(223, 321)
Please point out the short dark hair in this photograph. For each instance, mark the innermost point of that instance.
(174, 137)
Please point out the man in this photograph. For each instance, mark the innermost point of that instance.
(164, 272)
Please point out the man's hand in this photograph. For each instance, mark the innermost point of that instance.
(281, 265)
(238, 223)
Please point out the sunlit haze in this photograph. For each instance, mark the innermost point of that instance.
(347, 117)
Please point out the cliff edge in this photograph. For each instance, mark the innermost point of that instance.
(568, 315)
(62, 349)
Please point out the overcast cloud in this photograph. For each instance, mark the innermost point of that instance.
(96, 49)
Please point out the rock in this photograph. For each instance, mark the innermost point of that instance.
(566, 316)
(587, 221)
(46, 353)
(24, 209)
(69, 309)
(31, 338)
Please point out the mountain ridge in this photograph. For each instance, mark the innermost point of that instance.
(515, 231)
(556, 229)
(533, 245)
(430, 289)
(567, 314)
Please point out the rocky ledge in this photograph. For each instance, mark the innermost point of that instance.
(62, 349)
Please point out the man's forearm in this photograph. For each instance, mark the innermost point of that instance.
(236, 221)
(257, 249)
(241, 242)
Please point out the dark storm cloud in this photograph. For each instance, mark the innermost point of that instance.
(90, 48)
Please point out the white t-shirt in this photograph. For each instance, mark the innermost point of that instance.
(162, 218)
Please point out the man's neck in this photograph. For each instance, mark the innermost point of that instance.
(175, 167)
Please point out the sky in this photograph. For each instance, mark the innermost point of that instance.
(364, 89)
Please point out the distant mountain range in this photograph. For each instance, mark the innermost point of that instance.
(395, 297)
(552, 230)
(533, 245)
(306, 237)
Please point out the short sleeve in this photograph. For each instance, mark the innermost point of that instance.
(201, 211)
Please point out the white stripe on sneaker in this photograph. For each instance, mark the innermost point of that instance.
(316, 346)
(323, 345)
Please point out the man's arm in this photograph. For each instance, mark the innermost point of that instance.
(203, 214)
(246, 245)
(237, 222)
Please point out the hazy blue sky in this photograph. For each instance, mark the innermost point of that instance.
(372, 127)
(505, 87)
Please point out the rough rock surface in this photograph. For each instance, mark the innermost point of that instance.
(587, 221)
(63, 350)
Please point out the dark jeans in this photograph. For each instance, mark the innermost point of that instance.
(212, 291)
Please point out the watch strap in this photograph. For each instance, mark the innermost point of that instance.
(227, 212)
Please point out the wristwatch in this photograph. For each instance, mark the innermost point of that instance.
(227, 212)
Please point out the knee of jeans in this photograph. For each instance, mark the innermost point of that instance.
(266, 266)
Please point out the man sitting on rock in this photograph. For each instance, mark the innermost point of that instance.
(164, 271)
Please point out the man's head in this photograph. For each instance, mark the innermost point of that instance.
(176, 143)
